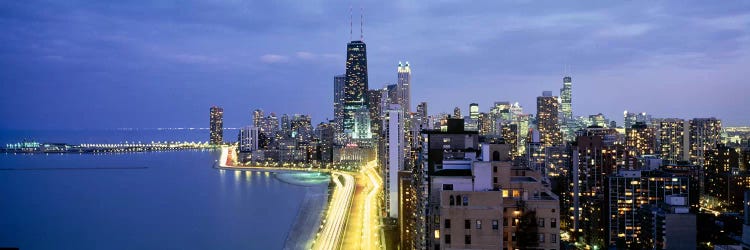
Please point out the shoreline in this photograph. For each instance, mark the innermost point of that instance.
(309, 217)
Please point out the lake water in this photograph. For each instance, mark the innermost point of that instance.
(168, 200)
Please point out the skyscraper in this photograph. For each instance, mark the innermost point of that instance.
(547, 121)
(457, 113)
(404, 86)
(216, 125)
(355, 86)
(338, 102)
(566, 99)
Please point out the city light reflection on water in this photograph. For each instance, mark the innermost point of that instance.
(200, 195)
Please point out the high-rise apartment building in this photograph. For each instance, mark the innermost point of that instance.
(404, 86)
(705, 133)
(408, 211)
(258, 118)
(393, 156)
(672, 139)
(727, 175)
(592, 161)
(547, 121)
(325, 133)
(248, 139)
(640, 140)
(216, 126)
(628, 191)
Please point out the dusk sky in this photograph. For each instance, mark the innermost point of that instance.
(148, 64)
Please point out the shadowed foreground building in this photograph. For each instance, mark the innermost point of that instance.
(628, 191)
(478, 199)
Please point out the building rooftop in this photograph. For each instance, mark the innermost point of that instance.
(453, 172)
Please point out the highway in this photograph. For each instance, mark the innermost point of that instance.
(371, 227)
(363, 228)
(336, 216)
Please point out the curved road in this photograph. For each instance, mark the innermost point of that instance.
(334, 223)
(338, 210)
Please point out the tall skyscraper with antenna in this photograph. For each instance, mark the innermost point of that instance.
(355, 88)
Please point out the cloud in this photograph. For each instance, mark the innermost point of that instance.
(273, 58)
(735, 22)
(625, 31)
(195, 59)
(306, 55)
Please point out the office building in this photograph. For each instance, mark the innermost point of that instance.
(216, 126)
(566, 99)
(339, 81)
(404, 86)
(355, 87)
(474, 111)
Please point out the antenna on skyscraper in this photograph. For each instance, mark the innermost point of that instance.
(362, 24)
(350, 23)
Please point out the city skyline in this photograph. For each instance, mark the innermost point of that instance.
(127, 62)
